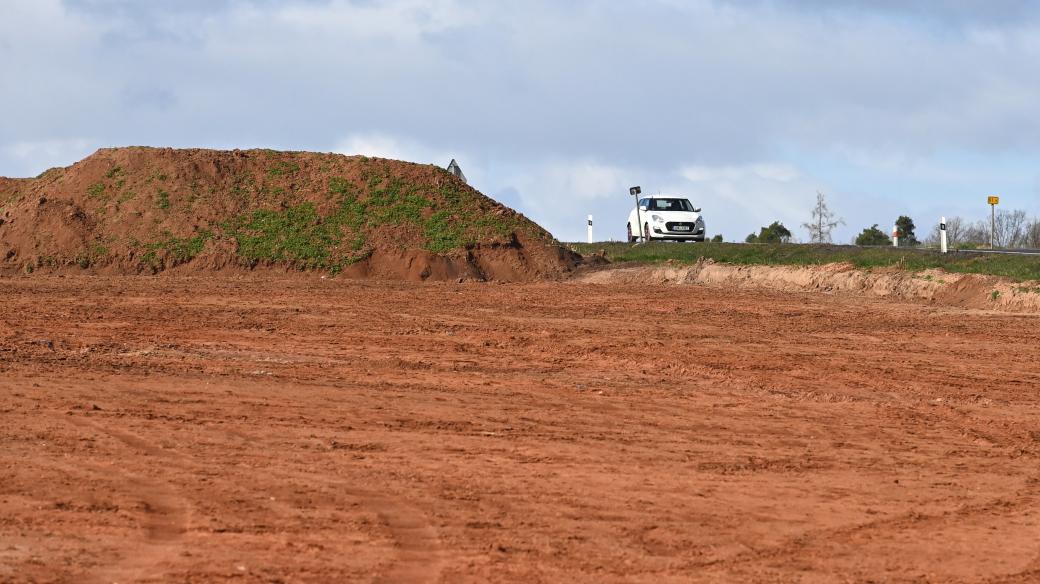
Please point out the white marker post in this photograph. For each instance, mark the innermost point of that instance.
(942, 235)
(590, 228)
(895, 236)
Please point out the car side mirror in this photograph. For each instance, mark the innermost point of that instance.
(696, 209)
(642, 207)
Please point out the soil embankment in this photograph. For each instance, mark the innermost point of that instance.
(149, 210)
(933, 286)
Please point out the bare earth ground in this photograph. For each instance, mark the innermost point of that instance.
(307, 430)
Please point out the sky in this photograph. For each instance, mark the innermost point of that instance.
(556, 108)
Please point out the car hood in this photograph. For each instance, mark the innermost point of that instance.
(678, 216)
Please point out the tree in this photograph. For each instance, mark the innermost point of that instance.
(1032, 239)
(822, 221)
(774, 233)
(905, 228)
(873, 236)
(958, 231)
(717, 239)
(1010, 228)
(975, 235)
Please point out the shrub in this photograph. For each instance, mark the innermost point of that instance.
(774, 233)
(873, 236)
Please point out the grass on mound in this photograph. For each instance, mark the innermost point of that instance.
(1016, 267)
(301, 235)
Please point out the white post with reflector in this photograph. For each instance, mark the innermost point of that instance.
(590, 228)
(895, 236)
(942, 235)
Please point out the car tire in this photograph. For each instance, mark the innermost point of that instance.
(646, 233)
(631, 238)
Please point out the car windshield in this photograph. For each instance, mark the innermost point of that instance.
(670, 205)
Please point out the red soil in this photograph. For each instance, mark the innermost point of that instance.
(116, 211)
(305, 430)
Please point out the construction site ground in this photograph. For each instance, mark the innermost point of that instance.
(305, 429)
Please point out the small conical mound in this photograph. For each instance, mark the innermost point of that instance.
(147, 210)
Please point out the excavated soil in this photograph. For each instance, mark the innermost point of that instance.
(192, 429)
(936, 287)
(146, 210)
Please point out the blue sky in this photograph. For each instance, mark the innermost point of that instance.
(747, 107)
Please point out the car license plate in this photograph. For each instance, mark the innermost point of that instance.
(682, 228)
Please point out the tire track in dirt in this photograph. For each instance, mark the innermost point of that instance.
(805, 543)
(420, 557)
(166, 511)
(1023, 499)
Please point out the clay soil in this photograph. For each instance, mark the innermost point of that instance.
(199, 429)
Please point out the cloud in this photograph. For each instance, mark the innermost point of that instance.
(384, 146)
(34, 157)
(557, 107)
(778, 172)
(947, 11)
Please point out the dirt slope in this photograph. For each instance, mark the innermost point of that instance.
(146, 210)
(932, 286)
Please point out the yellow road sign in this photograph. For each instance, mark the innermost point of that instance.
(994, 200)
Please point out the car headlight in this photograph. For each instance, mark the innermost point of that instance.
(657, 218)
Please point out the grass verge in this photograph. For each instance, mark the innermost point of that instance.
(1016, 267)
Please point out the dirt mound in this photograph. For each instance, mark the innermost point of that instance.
(147, 210)
(935, 286)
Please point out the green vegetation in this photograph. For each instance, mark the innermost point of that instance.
(774, 233)
(310, 239)
(164, 199)
(282, 168)
(905, 228)
(179, 249)
(96, 191)
(1016, 267)
(300, 235)
(873, 236)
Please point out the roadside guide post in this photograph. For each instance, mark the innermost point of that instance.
(942, 234)
(590, 228)
(895, 236)
(635, 191)
(993, 202)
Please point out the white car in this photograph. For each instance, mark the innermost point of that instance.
(665, 217)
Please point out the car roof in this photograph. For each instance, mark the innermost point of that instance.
(665, 197)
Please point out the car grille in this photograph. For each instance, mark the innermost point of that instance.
(689, 227)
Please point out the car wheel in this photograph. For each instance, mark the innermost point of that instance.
(646, 233)
(631, 238)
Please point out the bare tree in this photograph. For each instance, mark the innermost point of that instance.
(1010, 228)
(956, 232)
(822, 222)
(1032, 237)
(977, 233)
